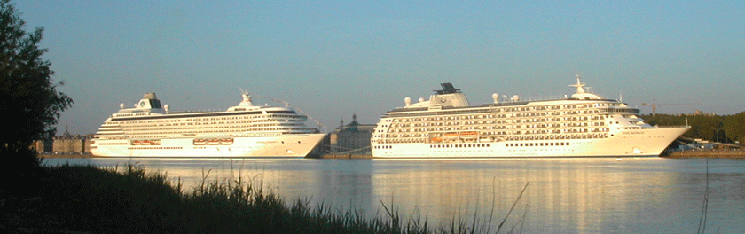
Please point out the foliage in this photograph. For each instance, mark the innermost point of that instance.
(98, 200)
(93, 200)
(718, 128)
(734, 127)
(29, 100)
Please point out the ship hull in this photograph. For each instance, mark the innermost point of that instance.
(288, 145)
(627, 143)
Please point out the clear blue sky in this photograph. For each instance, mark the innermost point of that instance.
(332, 59)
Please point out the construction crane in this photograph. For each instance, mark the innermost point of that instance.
(654, 105)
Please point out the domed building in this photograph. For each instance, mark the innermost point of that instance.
(352, 138)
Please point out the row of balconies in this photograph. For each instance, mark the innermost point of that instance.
(409, 122)
(440, 126)
(506, 138)
(507, 133)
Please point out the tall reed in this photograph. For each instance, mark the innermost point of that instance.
(90, 199)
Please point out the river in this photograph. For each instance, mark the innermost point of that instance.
(560, 195)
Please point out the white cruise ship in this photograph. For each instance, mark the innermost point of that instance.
(245, 130)
(583, 125)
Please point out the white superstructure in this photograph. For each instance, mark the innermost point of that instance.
(583, 125)
(245, 130)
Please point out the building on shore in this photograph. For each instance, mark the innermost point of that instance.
(698, 113)
(353, 138)
(43, 146)
(67, 144)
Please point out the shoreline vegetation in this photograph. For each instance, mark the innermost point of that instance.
(87, 199)
(708, 154)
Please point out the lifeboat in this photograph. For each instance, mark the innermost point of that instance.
(451, 135)
(436, 139)
(198, 141)
(469, 134)
(227, 141)
(136, 142)
(213, 141)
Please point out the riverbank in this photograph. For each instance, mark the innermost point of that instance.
(673, 155)
(344, 156)
(722, 154)
(66, 155)
(322, 156)
(74, 199)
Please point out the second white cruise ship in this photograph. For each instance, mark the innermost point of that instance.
(245, 130)
(583, 125)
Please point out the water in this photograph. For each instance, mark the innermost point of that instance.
(561, 195)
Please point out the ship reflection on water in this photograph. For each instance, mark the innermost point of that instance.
(561, 195)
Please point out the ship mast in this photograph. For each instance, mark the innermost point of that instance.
(580, 86)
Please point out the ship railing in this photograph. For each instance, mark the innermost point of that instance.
(619, 110)
(672, 126)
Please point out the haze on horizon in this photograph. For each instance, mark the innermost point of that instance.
(333, 59)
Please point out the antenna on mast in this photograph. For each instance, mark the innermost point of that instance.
(579, 85)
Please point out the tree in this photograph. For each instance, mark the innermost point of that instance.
(707, 127)
(734, 126)
(30, 103)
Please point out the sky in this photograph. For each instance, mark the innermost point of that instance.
(332, 59)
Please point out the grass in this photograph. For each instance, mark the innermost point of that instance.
(90, 199)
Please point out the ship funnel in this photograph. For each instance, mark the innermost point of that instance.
(149, 101)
